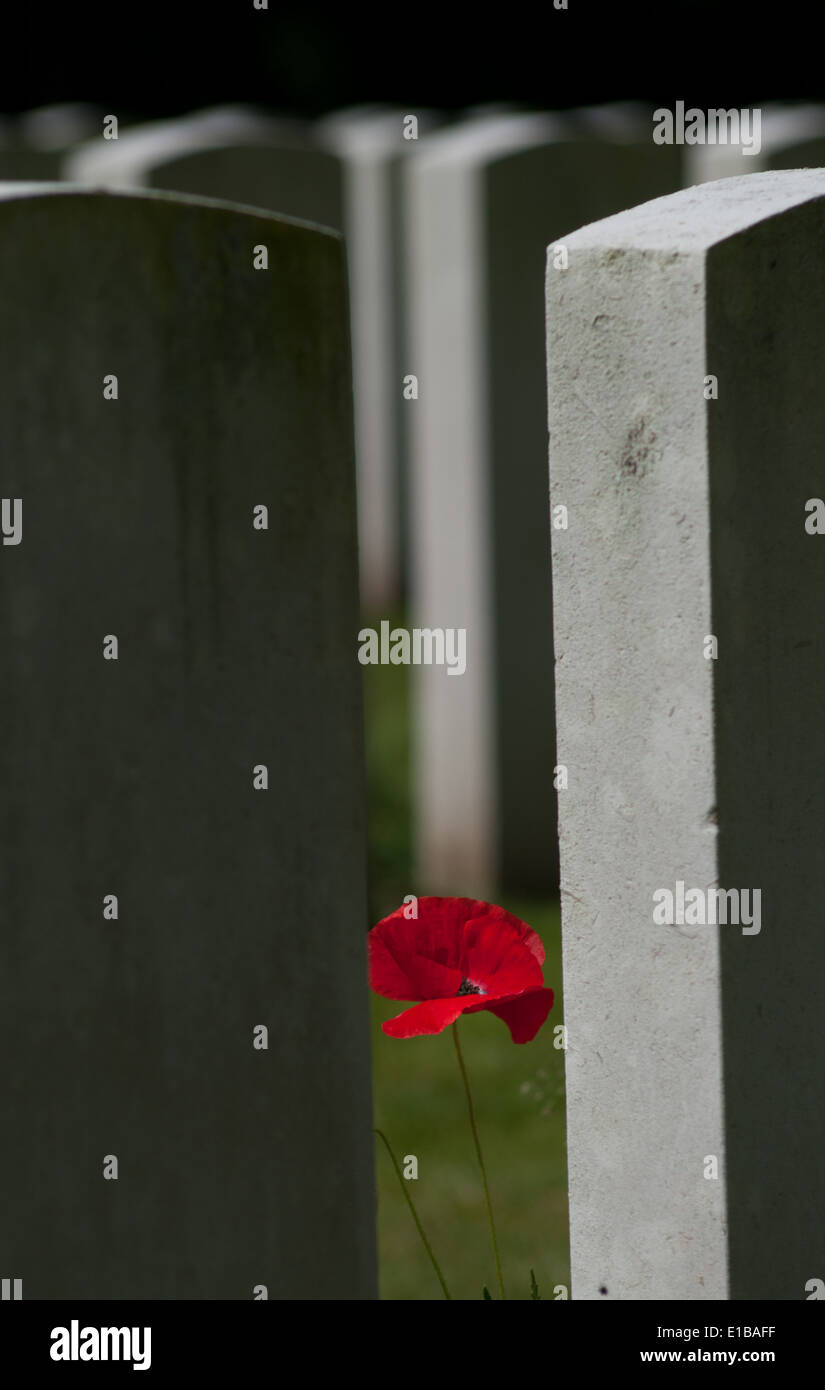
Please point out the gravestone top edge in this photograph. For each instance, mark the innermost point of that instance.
(488, 138)
(373, 134)
(159, 141)
(11, 192)
(694, 219)
(789, 125)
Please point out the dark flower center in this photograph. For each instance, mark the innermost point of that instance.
(467, 988)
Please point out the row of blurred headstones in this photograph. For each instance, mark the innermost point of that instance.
(447, 225)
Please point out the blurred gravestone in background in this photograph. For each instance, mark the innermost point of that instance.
(790, 137)
(228, 153)
(483, 200)
(372, 144)
(34, 145)
(59, 126)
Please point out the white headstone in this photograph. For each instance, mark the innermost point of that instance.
(791, 137)
(480, 201)
(686, 344)
(371, 144)
(183, 986)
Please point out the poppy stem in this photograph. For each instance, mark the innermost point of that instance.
(405, 1190)
(466, 1081)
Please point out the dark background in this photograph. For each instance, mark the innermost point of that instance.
(151, 59)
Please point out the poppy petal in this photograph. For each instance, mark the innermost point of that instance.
(439, 931)
(534, 943)
(397, 941)
(396, 972)
(515, 978)
(433, 1016)
(498, 957)
(501, 918)
(524, 1014)
(388, 972)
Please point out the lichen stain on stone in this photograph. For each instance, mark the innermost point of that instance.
(639, 450)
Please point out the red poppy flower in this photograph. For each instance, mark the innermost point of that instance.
(459, 956)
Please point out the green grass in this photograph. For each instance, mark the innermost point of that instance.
(418, 1094)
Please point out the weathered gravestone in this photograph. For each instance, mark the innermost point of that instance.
(186, 1100)
(686, 344)
(480, 200)
(239, 155)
